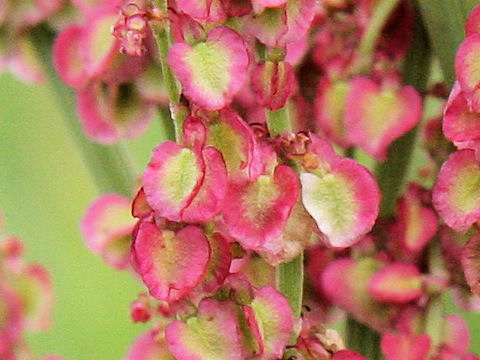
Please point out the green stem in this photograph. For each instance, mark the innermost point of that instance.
(381, 13)
(435, 313)
(278, 121)
(289, 276)
(391, 173)
(164, 42)
(106, 164)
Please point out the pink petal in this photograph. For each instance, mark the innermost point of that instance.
(211, 72)
(107, 227)
(273, 83)
(67, 58)
(416, 224)
(146, 348)
(163, 262)
(471, 263)
(456, 334)
(344, 283)
(231, 135)
(405, 347)
(375, 117)
(396, 283)
(98, 45)
(457, 189)
(330, 108)
(213, 334)
(171, 179)
(209, 198)
(459, 122)
(218, 266)
(255, 212)
(343, 202)
(274, 317)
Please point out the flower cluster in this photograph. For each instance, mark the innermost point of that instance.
(258, 91)
(457, 186)
(26, 300)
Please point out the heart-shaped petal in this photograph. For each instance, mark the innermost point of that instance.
(213, 334)
(343, 202)
(171, 178)
(255, 212)
(211, 72)
(457, 190)
(375, 116)
(171, 264)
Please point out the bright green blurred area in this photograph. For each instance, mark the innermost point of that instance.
(44, 190)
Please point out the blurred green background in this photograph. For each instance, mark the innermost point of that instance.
(44, 190)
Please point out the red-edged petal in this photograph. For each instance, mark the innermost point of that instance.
(98, 45)
(67, 56)
(343, 202)
(344, 283)
(171, 178)
(231, 135)
(208, 199)
(107, 227)
(416, 224)
(171, 264)
(255, 212)
(213, 334)
(211, 72)
(273, 83)
(459, 122)
(457, 189)
(405, 347)
(273, 321)
(330, 108)
(375, 117)
(396, 283)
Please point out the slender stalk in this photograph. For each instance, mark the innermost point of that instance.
(381, 13)
(164, 42)
(363, 339)
(106, 164)
(289, 276)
